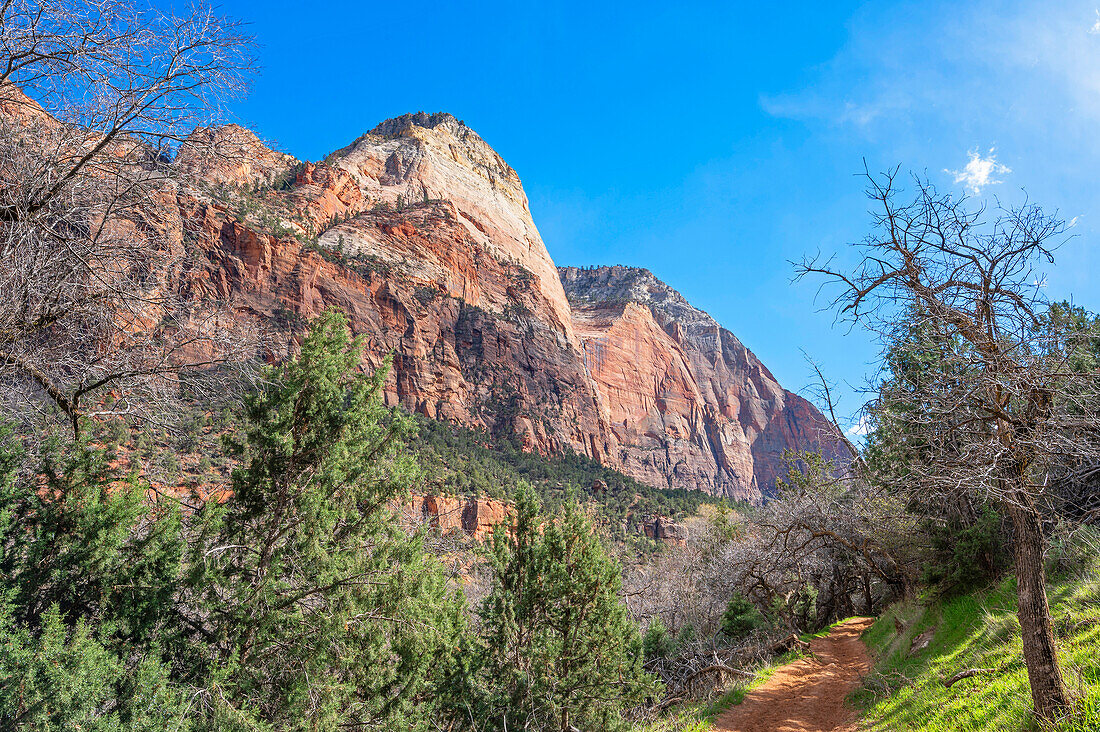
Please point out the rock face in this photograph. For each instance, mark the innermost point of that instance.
(475, 517)
(421, 157)
(232, 155)
(422, 234)
(686, 403)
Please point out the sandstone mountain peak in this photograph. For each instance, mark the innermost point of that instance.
(398, 126)
(420, 157)
(421, 233)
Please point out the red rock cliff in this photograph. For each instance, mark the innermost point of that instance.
(687, 404)
(422, 234)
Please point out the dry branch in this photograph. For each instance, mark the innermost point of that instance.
(948, 683)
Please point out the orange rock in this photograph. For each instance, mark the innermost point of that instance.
(422, 234)
(476, 517)
(687, 404)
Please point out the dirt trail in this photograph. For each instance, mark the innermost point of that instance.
(807, 695)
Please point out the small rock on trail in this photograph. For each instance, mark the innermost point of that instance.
(807, 695)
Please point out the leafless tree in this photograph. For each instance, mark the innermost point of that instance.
(94, 97)
(989, 402)
(827, 536)
(674, 584)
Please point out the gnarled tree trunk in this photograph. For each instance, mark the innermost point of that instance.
(1048, 692)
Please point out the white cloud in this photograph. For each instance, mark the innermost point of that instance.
(861, 112)
(1095, 26)
(860, 428)
(980, 171)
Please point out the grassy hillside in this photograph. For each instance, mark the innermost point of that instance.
(980, 630)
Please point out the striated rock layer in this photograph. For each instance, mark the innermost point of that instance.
(687, 404)
(423, 235)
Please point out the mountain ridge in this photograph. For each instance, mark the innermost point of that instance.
(422, 233)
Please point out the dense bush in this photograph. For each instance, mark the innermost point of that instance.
(741, 617)
(657, 642)
(966, 551)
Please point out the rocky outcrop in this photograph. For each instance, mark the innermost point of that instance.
(422, 234)
(663, 529)
(474, 517)
(687, 404)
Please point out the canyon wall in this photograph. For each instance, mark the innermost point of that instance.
(685, 401)
(423, 235)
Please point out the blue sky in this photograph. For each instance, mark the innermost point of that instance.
(713, 142)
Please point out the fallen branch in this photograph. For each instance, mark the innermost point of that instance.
(966, 675)
(719, 668)
(669, 702)
(786, 644)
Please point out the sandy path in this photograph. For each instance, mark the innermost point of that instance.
(807, 695)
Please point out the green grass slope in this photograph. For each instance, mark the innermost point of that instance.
(980, 630)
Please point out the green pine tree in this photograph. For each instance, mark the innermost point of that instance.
(560, 649)
(317, 610)
(741, 617)
(89, 568)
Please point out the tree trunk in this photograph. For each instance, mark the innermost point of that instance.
(1048, 692)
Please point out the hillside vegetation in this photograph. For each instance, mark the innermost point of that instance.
(464, 461)
(979, 630)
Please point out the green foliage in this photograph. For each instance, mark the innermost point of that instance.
(298, 601)
(88, 568)
(905, 691)
(657, 642)
(965, 552)
(426, 295)
(63, 677)
(687, 635)
(741, 617)
(89, 545)
(462, 461)
(560, 649)
(321, 611)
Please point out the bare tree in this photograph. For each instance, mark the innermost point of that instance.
(827, 544)
(94, 97)
(989, 402)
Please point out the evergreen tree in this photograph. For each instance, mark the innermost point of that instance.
(317, 609)
(741, 617)
(88, 570)
(561, 650)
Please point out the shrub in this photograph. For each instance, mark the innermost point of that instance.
(657, 643)
(741, 617)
